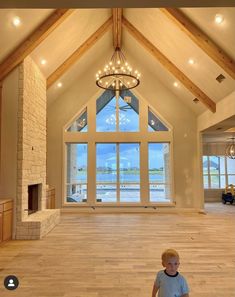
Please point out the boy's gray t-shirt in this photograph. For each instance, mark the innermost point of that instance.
(171, 286)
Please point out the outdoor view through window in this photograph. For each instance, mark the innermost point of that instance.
(117, 166)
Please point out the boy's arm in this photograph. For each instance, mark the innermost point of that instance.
(155, 289)
(185, 295)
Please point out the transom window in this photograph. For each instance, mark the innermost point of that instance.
(123, 155)
(80, 124)
(117, 114)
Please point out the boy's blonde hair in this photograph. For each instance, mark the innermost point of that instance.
(169, 253)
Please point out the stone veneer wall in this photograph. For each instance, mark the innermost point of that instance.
(31, 153)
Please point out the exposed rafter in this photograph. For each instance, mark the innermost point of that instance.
(117, 27)
(170, 66)
(79, 52)
(201, 39)
(33, 40)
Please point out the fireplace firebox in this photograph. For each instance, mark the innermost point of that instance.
(33, 198)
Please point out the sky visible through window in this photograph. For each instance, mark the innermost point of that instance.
(155, 155)
(118, 163)
(106, 117)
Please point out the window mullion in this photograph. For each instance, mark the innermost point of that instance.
(91, 173)
(226, 172)
(144, 173)
(209, 173)
(117, 112)
(219, 172)
(118, 172)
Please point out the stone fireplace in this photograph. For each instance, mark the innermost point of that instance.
(33, 220)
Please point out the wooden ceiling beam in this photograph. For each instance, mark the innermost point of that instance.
(201, 39)
(209, 103)
(79, 52)
(117, 27)
(33, 40)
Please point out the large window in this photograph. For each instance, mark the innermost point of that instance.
(218, 171)
(122, 155)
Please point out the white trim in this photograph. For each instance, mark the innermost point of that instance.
(84, 106)
(137, 209)
(209, 174)
(143, 137)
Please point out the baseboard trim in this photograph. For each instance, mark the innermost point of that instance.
(126, 209)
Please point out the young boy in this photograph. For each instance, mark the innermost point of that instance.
(169, 282)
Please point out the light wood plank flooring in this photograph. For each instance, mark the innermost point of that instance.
(118, 255)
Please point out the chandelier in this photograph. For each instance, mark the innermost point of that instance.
(230, 149)
(117, 75)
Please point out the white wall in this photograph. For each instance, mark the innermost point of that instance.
(213, 195)
(9, 136)
(59, 113)
(224, 110)
(186, 165)
(8, 169)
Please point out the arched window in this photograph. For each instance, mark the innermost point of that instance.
(118, 151)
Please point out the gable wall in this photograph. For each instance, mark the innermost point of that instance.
(186, 164)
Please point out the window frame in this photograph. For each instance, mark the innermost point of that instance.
(143, 137)
(209, 175)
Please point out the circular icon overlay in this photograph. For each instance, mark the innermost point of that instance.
(11, 282)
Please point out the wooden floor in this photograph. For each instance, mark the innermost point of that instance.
(117, 255)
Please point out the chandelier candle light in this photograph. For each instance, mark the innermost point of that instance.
(230, 149)
(117, 75)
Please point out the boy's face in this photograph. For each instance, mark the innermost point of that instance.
(171, 265)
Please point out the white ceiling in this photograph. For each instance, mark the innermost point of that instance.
(12, 36)
(63, 41)
(152, 23)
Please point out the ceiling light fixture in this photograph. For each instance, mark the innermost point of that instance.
(230, 149)
(16, 21)
(59, 85)
(191, 61)
(176, 84)
(43, 62)
(117, 75)
(219, 18)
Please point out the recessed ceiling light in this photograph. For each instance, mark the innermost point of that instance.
(176, 84)
(191, 61)
(219, 18)
(43, 62)
(16, 21)
(59, 84)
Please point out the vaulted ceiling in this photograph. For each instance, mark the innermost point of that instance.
(160, 41)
